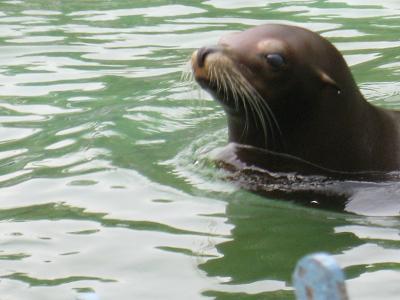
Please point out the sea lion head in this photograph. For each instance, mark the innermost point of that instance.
(272, 80)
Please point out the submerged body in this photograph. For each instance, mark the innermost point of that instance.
(289, 91)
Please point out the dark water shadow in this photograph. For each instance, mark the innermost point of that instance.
(268, 240)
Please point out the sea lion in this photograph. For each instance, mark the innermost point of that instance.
(287, 90)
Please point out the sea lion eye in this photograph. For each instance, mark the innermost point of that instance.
(275, 60)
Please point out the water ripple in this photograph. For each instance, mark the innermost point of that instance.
(106, 180)
(150, 12)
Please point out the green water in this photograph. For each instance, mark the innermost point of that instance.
(105, 185)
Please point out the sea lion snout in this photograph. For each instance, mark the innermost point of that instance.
(202, 54)
(205, 58)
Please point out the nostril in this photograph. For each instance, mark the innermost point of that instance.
(202, 54)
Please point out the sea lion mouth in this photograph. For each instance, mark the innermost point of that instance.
(215, 71)
(209, 66)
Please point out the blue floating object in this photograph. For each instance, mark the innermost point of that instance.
(319, 277)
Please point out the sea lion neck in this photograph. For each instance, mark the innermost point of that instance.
(287, 127)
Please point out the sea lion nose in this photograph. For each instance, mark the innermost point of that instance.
(202, 54)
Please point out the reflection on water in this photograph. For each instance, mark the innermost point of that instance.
(106, 187)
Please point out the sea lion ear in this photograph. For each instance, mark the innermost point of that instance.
(326, 79)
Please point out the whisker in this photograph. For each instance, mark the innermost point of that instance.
(270, 113)
(247, 98)
(244, 100)
(263, 105)
(260, 118)
(187, 73)
(230, 82)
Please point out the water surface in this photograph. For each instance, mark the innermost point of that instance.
(105, 183)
